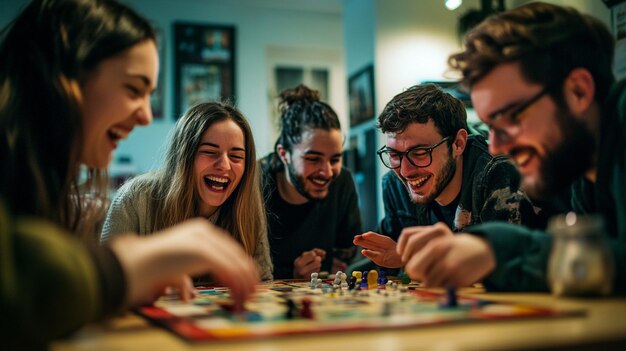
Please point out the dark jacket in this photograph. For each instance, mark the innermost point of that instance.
(522, 254)
(489, 192)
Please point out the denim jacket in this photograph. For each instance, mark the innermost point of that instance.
(489, 192)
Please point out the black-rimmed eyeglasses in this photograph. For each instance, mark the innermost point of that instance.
(507, 125)
(420, 156)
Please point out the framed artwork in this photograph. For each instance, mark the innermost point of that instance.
(156, 98)
(618, 27)
(361, 95)
(204, 63)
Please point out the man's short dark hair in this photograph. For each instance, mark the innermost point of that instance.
(420, 103)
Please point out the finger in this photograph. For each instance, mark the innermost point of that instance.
(377, 243)
(431, 259)
(437, 275)
(404, 236)
(417, 241)
(314, 265)
(319, 252)
(187, 291)
(306, 258)
(375, 256)
(413, 269)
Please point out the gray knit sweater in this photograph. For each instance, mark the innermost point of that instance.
(129, 213)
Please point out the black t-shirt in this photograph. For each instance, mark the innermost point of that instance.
(445, 213)
(328, 224)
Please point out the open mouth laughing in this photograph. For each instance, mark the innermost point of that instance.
(116, 134)
(522, 157)
(418, 182)
(216, 183)
(320, 182)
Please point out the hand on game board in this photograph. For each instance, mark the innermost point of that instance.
(381, 249)
(308, 262)
(413, 239)
(450, 260)
(192, 248)
(183, 288)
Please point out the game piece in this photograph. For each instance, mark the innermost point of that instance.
(405, 278)
(323, 275)
(451, 300)
(291, 309)
(352, 283)
(372, 279)
(251, 316)
(306, 311)
(382, 279)
(315, 281)
(337, 280)
(363, 285)
(309, 311)
(357, 275)
(343, 284)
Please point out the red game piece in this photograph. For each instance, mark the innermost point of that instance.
(306, 311)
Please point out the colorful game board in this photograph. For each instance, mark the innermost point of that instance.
(291, 308)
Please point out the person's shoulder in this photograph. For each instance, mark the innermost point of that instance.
(477, 146)
(137, 186)
(390, 179)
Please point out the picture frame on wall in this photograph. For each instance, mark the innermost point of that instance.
(617, 9)
(156, 98)
(361, 95)
(204, 64)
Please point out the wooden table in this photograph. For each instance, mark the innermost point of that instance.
(602, 327)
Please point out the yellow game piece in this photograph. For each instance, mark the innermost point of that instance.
(372, 279)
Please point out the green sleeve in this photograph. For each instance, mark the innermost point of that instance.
(521, 256)
(50, 283)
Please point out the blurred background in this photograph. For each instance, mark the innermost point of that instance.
(357, 53)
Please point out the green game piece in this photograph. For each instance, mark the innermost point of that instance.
(405, 278)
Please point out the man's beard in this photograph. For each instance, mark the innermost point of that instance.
(298, 182)
(568, 161)
(446, 175)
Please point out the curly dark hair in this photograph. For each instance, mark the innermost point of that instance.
(549, 41)
(420, 103)
(301, 110)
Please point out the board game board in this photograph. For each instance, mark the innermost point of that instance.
(277, 310)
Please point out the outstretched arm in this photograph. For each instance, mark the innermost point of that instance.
(194, 247)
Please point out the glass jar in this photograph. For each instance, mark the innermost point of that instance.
(581, 263)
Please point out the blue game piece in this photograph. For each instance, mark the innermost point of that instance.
(451, 299)
(363, 284)
(382, 277)
(253, 316)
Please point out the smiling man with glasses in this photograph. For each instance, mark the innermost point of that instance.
(439, 175)
(541, 77)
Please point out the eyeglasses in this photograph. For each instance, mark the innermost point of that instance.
(509, 125)
(421, 156)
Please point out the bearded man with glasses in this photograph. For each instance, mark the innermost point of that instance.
(439, 175)
(541, 77)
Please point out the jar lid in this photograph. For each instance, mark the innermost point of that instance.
(576, 224)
